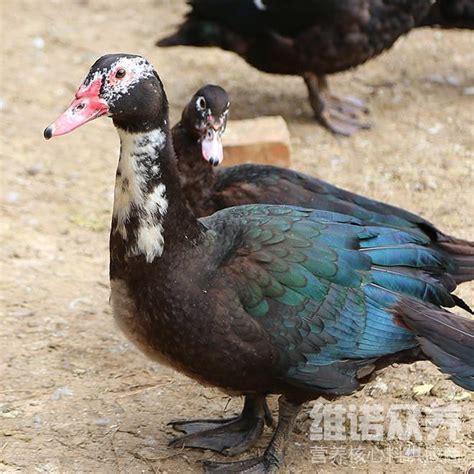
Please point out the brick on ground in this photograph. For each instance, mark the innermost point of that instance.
(261, 140)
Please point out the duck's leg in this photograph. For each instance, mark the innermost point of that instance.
(272, 459)
(340, 115)
(227, 436)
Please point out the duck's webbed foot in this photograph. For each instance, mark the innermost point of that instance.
(273, 457)
(227, 436)
(340, 115)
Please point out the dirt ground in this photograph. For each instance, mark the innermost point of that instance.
(74, 395)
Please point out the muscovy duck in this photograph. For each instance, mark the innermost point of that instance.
(450, 14)
(257, 299)
(307, 38)
(197, 140)
(208, 189)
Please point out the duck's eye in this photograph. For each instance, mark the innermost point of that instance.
(201, 103)
(120, 74)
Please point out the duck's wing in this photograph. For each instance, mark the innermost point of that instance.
(274, 185)
(325, 288)
(250, 183)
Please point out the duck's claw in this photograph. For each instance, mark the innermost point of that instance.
(228, 437)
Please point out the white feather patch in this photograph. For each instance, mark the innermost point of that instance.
(150, 241)
(138, 163)
(157, 201)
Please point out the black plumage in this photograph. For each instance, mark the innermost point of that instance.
(450, 14)
(307, 38)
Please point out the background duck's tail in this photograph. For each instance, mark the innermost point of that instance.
(445, 338)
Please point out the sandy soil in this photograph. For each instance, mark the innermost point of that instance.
(75, 396)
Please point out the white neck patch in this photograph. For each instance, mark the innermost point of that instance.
(137, 165)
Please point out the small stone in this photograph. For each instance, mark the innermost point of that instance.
(22, 313)
(8, 412)
(12, 197)
(62, 392)
(38, 42)
(102, 421)
(34, 169)
(468, 90)
(37, 422)
(436, 78)
(435, 129)
(420, 390)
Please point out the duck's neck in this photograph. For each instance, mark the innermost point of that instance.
(196, 175)
(150, 216)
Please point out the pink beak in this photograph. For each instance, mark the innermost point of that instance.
(85, 107)
(211, 146)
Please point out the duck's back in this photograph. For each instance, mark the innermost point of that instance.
(322, 36)
(451, 14)
(249, 183)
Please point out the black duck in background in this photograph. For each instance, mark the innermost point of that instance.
(209, 189)
(451, 14)
(311, 39)
(257, 299)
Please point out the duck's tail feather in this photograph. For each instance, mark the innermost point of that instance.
(445, 338)
(462, 252)
(173, 40)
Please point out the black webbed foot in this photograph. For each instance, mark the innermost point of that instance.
(227, 436)
(273, 457)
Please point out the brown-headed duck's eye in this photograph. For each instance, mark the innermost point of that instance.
(120, 74)
(201, 103)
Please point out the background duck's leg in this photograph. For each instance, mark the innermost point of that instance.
(348, 104)
(272, 459)
(227, 436)
(337, 114)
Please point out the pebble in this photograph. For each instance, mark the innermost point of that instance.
(420, 390)
(468, 90)
(34, 169)
(62, 392)
(12, 197)
(102, 421)
(38, 42)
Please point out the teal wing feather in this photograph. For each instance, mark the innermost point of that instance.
(323, 286)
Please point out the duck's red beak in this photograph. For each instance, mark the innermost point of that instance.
(85, 107)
